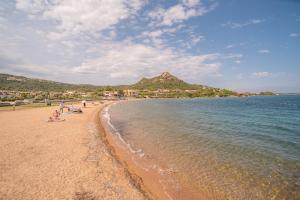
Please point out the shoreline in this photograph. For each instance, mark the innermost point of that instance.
(150, 178)
(134, 179)
(130, 168)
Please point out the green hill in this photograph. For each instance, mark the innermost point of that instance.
(21, 83)
(164, 85)
(164, 81)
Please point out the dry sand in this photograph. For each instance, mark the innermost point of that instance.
(61, 160)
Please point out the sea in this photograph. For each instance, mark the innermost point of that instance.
(224, 148)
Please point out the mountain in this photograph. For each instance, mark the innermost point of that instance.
(164, 81)
(164, 85)
(21, 83)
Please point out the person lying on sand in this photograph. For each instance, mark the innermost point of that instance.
(74, 109)
(55, 117)
(52, 119)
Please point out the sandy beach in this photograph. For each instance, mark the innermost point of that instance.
(61, 160)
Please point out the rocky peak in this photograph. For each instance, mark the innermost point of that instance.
(166, 75)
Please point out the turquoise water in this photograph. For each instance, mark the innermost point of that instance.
(240, 148)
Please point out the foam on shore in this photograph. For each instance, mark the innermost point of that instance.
(162, 176)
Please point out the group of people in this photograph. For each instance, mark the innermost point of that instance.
(71, 108)
(55, 117)
(56, 114)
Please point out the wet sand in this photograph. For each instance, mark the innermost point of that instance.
(61, 160)
(159, 179)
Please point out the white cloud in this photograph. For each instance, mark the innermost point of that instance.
(237, 61)
(191, 3)
(263, 51)
(17, 64)
(255, 21)
(156, 36)
(80, 16)
(31, 6)
(179, 12)
(153, 34)
(294, 35)
(135, 60)
(159, 32)
(84, 38)
(261, 74)
(232, 56)
(197, 39)
(229, 46)
(235, 25)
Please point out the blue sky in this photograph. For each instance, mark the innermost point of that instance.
(236, 44)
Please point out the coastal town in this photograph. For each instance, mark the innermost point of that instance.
(163, 86)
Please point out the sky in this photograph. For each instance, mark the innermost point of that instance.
(236, 44)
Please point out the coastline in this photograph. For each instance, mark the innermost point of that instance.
(60, 160)
(142, 180)
(149, 179)
(113, 150)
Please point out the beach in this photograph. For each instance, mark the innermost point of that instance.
(61, 160)
(152, 149)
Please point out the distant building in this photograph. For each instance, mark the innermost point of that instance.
(163, 90)
(110, 94)
(190, 91)
(107, 94)
(71, 92)
(131, 93)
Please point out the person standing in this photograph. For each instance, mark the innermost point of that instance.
(47, 102)
(84, 103)
(61, 107)
(14, 105)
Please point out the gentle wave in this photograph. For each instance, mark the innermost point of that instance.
(247, 148)
(139, 159)
(106, 116)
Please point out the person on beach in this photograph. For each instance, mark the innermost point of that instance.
(71, 108)
(84, 103)
(52, 119)
(47, 102)
(56, 114)
(14, 105)
(61, 107)
(55, 117)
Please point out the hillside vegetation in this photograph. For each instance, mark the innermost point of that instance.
(21, 83)
(164, 81)
(165, 85)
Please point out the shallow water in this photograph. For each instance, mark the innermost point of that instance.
(242, 148)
